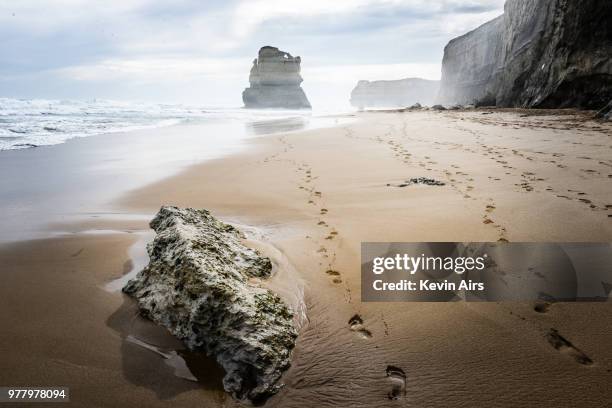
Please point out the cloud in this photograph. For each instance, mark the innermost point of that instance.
(38, 18)
(91, 47)
(151, 70)
(354, 72)
(249, 15)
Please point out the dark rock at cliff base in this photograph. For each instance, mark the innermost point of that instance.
(275, 81)
(200, 285)
(538, 54)
(397, 93)
(606, 112)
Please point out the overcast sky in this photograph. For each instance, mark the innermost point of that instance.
(200, 52)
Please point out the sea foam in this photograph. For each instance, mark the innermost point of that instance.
(26, 123)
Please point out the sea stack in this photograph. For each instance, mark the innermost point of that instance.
(275, 81)
(538, 54)
(394, 93)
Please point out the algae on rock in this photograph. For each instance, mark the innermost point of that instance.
(200, 285)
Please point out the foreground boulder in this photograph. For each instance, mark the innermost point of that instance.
(275, 81)
(199, 284)
(395, 93)
(538, 54)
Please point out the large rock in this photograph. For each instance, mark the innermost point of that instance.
(201, 284)
(397, 93)
(275, 81)
(540, 53)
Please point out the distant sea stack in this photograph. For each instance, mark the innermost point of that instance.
(538, 54)
(398, 93)
(275, 81)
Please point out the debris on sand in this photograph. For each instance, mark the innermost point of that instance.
(419, 180)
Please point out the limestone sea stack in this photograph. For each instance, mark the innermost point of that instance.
(394, 93)
(275, 81)
(538, 54)
(201, 284)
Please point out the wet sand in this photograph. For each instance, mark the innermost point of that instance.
(79, 179)
(314, 196)
(61, 328)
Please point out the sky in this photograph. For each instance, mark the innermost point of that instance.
(200, 51)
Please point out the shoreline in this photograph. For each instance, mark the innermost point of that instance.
(315, 195)
(78, 180)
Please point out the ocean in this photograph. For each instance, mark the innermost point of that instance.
(68, 160)
(28, 123)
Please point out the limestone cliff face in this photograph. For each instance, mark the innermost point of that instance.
(470, 64)
(540, 53)
(403, 92)
(275, 81)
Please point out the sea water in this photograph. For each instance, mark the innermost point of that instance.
(62, 161)
(27, 123)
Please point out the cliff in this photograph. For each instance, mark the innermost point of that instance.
(540, 53)
(402, 92)
(470, 65)
(201, 284)
(275, 81)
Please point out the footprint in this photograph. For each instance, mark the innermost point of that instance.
(397, 377)
(356, 325)
(565, 346)
(542, 306)
(323, 211)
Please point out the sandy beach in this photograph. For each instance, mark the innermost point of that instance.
(308, 199)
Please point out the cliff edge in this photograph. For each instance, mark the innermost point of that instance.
(538, 54)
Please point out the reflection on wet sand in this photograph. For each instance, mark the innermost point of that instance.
(266, 127)
(141, 335)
